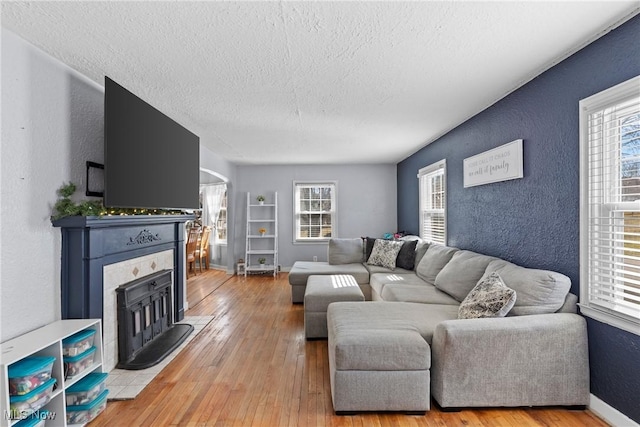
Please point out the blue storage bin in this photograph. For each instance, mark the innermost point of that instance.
(38, 419)
(76, 364)
(26, 404)
(82, 414)
(28, 374)
(87, 389)
(78, 342)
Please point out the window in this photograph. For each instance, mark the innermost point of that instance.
(314, 211)
(433, 214)
(610, 206)
(221, 223)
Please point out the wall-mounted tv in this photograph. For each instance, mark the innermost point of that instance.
(150, 161)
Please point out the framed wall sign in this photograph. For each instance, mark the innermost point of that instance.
(499, 164)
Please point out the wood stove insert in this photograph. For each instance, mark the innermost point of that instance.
(146, 332)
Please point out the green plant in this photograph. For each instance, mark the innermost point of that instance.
(64, 206)
(262, 260)
(260, 198)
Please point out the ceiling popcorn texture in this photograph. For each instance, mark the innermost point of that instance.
(315, 82)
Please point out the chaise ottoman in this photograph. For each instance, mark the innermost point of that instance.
(321, 291)
(302, 270)
(374, 368)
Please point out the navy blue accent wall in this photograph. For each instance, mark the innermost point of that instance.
(534, 221)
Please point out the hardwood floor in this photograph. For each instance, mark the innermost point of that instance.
(251, 366)
(200, 285)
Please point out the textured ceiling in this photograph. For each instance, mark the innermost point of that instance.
(315, 82)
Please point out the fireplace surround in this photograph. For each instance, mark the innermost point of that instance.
(91, 245)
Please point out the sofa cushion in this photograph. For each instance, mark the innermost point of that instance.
(425, 294)
(375, 269)
(384, 253)
(539, 291)
(407, 255)
(301, 271)
(489, 298)
(400, 349)
(462, 273)
(379, 281)
(345, 251)
(433, 261)
(421, 249)
(355, 317)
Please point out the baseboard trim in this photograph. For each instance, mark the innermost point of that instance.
(610, 414)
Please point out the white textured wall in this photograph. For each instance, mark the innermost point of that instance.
(52, 122)
(366, 203)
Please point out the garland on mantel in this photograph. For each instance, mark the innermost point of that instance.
(64, 207)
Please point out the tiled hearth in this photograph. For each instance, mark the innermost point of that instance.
(118, 274)
(125, 385)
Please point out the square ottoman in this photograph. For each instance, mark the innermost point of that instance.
(321, 291)
(376, 369)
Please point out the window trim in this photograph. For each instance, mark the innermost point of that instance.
(223, 206)
(334, 211)
(427, 170)
(614, 95)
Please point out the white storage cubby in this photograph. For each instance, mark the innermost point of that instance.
(47, 341)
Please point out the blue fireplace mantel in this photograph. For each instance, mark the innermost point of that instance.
(89, 243)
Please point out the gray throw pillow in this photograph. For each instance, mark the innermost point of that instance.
(489, 298)
(384, 253)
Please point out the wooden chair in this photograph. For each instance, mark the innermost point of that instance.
(191, 249)
(203, 251)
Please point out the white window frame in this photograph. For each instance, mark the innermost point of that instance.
(600, 201)
(223, 208)
(424, 176)
(297, 185)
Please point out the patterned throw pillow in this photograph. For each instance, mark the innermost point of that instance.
(489, 298)
(384, 253)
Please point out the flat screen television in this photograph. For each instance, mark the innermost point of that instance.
(150, 161)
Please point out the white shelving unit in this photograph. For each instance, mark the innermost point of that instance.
(47, 341)
(258, 246)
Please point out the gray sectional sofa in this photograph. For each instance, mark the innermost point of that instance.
(406, 340)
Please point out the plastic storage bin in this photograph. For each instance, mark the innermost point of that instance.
(26, 404)
(38, 419)
(78, 342)
(28, 374)
(82, 414)
(75, 365)
(87, 389)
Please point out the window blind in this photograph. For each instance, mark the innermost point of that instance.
(433, 202)
(314, 206)
(611, 206)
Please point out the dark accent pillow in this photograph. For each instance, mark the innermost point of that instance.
(368, 247)
(407, 255)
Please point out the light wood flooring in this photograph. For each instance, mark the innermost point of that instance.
(201, 284)
(251, 366)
